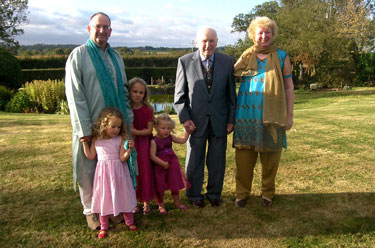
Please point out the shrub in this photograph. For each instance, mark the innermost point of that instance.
(46, 95)
(39, 96)
(5, 96)
(10, 70)
(20, 103)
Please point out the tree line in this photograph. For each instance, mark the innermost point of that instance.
(330, 42)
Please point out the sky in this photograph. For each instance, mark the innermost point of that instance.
(164, 23)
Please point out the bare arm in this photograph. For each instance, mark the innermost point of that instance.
(180, 140)
(89, 151)
(289, 92)
(155, 158)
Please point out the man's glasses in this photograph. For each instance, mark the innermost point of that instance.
(98, 27)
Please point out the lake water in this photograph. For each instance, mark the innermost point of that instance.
(161, 106)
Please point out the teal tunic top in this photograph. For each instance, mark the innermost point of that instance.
(249, 131)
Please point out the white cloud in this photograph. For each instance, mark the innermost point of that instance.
(134, 23)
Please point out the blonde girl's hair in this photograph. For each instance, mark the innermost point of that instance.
(164, 117)
(101, 125)
(135, 80)
(263, 22)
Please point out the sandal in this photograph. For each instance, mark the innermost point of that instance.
(136, 210)
(146, 210)
(133, 228)
(163, 211)
(183, 207)
(102, 234)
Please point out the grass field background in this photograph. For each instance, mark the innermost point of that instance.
(325, 186)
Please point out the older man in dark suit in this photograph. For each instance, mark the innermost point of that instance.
(205, 98)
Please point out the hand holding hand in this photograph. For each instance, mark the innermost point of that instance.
(189, 126)
(131, 144)
(85, 139)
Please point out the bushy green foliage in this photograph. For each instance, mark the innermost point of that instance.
(20, 103)
(10, 70)
(39, 96)
(5, 96)
(46, 94)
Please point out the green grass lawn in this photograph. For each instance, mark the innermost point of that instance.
(325, 187)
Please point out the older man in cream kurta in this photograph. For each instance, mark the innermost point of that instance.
(86, 101)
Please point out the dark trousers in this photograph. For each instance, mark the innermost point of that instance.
(195, 161)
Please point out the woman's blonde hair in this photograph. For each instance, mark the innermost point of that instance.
(164, 117)
(135, 80)
(263, 22)
(101, 125)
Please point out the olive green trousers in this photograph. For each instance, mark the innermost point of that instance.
(245, 163)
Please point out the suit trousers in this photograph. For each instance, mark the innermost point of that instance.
(245, 163)
(195, 160)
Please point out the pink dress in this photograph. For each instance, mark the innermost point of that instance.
(173, 178)
(113, 191)
(145, 179)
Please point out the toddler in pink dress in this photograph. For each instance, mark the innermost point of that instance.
(113, 191)
(167, 170)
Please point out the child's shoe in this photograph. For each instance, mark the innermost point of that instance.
(146, 209)
(182, 207)
(102, 234)
(133, 228)
(163, 211)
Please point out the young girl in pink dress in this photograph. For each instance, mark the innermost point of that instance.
(113, 191)
(142, 131)
(167, 169)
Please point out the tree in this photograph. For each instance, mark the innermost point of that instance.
(12, 14)
(242, 21)
(10, 70)
(324, 38)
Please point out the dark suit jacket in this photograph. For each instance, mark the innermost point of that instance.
(192, 100)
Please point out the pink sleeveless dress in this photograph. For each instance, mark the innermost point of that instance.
(113, 191)
(173, 178)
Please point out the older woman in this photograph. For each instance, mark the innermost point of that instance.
(264, 110)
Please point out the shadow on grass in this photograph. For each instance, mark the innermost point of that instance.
(57, 211)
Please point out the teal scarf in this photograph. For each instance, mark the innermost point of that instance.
(112, 97)
(132, 163)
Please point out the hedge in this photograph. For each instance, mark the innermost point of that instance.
(59, 62)
(168, 73)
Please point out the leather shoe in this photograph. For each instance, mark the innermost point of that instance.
(215, 202)
(93, 221)
(267, 202)
(198, 203)
(240, 203)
